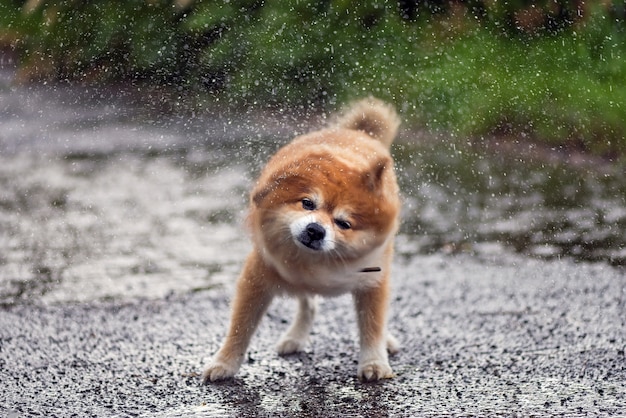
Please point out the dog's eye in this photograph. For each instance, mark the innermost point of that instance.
(308, 204)
(342, 224)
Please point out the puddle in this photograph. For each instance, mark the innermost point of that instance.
(101, 199)
(466, 201)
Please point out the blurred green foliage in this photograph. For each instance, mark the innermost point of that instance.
(553, 70)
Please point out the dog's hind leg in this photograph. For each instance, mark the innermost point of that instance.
(297, 335)
(393, 346)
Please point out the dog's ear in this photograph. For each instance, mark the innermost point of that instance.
(258, 194)
(373, 177)
(282, 184)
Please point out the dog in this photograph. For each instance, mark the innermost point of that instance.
(323, 216)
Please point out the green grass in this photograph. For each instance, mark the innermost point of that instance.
(550, 88)
(446, 71)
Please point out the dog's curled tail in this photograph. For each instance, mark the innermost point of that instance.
(372, 116)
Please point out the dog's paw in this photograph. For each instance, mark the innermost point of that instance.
(374, 370)
(289, 345)
(393, 346)
(216, 371)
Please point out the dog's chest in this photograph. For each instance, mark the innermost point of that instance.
(334, 279)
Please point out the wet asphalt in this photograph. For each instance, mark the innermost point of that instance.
(480, 337)
(118, 259)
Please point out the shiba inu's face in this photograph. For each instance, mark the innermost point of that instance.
(323, 209)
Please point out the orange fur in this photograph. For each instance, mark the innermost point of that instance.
(324, 208)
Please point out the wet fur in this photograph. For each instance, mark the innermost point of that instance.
(347, 173)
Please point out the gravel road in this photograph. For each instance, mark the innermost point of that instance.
(481, 337)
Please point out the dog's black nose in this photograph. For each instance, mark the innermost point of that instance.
(312, 236)
(315, 231)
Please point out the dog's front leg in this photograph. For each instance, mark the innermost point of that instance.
(371, 310)
(252, 298)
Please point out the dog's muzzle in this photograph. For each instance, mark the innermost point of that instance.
(313, 236)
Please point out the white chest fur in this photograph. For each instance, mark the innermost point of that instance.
(331, 277)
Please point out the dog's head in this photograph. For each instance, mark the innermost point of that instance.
(322, 208)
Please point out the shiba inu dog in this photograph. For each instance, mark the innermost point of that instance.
(323, 216)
